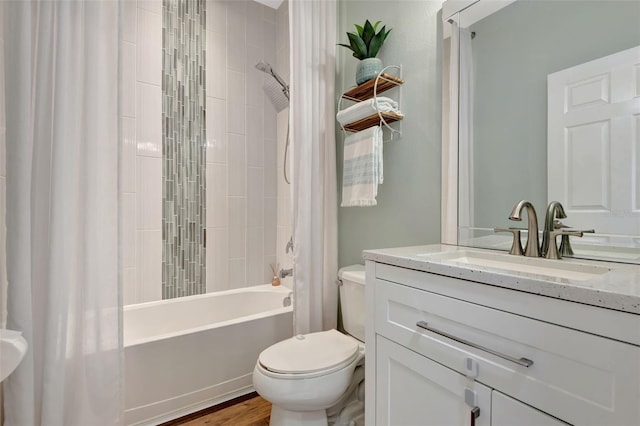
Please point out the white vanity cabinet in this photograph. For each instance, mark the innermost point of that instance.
(438, 347)
(507, 411)
(414, 390)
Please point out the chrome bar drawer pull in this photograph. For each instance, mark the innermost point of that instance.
(520, 361)
(475, 413)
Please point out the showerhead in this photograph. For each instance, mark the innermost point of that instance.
(279, 96)
(264, 67)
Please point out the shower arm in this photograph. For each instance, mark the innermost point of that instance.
(267, 68)
(285, 86)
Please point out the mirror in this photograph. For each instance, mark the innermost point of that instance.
(549, 109)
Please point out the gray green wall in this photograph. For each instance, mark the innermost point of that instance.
(408, 210)
(514, 50)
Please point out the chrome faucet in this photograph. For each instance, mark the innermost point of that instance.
(532, 248)
(284, 273)
(554, 211)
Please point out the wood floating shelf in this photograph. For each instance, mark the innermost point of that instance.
(365, 90)
(372, 120)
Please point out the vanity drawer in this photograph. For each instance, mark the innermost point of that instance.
(595, 387)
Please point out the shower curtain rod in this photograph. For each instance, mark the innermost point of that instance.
(473, 33)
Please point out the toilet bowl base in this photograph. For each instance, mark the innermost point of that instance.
(281, 417)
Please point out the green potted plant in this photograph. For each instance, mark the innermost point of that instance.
(365, 44)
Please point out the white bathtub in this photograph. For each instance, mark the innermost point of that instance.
(186, 354)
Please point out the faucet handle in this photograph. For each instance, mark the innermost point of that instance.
(516, 245)
(565, 244)
(559, 225)
(553, 252)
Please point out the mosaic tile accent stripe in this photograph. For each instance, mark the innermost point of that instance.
(183, 148)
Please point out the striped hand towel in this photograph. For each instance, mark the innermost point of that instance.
(362, 167)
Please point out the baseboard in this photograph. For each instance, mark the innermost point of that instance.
(211, 409)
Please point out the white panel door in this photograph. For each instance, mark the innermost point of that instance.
(413, 390)
(593, 158)
(506, 411)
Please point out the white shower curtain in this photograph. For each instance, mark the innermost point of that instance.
(313, 42)
(61, 70)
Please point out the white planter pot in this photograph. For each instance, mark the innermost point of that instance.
(367, 69)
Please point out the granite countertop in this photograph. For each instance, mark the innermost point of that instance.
(617, 289)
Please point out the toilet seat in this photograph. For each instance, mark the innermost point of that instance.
(309, 355)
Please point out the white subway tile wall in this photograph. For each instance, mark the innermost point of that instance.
(151, 5)
(255, 94)
(237, 160)
(244, 137)
(255, 197)
(255, 135)
(151, 257)
(217, 16)
(271, 178)
(128, 155)
(271, 47)
(141, 166)
(130, 21)
(237, 227)
(218, 260)
(236, 101)
(148, 193)
(243, 33)
(128, 223)
(255, 255)
(149, 44)
(129, 292)
(237, 273)
(149, 128)
(217, 60)
(216, 130)
(218, 199)
(236, 35)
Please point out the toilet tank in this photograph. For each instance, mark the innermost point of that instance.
(352, 280)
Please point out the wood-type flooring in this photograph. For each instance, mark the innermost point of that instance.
(254, 411)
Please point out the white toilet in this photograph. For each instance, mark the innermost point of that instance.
(318, 378)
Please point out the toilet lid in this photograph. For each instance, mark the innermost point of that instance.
(308, 353)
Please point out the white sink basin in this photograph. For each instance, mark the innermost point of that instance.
(13, 348)
(523, 265)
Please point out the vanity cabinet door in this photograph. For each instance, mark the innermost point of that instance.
(414, 390)
(542, 364)
(506, 411)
